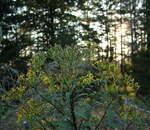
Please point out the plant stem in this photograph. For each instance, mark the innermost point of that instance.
(101, 120)
(72, 109)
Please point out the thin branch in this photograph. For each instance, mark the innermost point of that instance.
(105, 113)
(44, 128)
(72, 96)
(49, 102)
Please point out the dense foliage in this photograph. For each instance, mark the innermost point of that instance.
(68, 89)
(141, 71)
(53, 83)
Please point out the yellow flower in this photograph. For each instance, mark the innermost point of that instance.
(53, 89)
(46, 80)
(132, 94)
(96, 62)
(87, 79)
(43, 121)
(48, 105)
(31, 74)
(15, 93)
(51, 119)
(130, 89)
(19, 118)
(32, 108)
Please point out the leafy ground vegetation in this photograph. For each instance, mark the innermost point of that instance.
(70, 89)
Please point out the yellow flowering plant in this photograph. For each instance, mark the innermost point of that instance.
(87, 79)
(66, 86)
(30, 110)
(15, 93)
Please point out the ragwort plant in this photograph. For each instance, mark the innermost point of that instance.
(67, 89)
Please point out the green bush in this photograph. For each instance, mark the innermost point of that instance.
(68, 89)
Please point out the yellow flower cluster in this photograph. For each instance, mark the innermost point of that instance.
(33, 77)
(87, 79)
(46, 79)
(22, 78)
(132, 88)
(96, 62)
(15, 93)
(53, 89)
(30, 74)
(129, 90)
(47, 105)
(49, 119)
(30, 110)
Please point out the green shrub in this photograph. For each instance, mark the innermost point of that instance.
(68, 89)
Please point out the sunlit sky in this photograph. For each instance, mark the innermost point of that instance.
(122, 32)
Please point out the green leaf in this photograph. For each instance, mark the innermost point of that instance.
(84, 110)
(63, 125)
